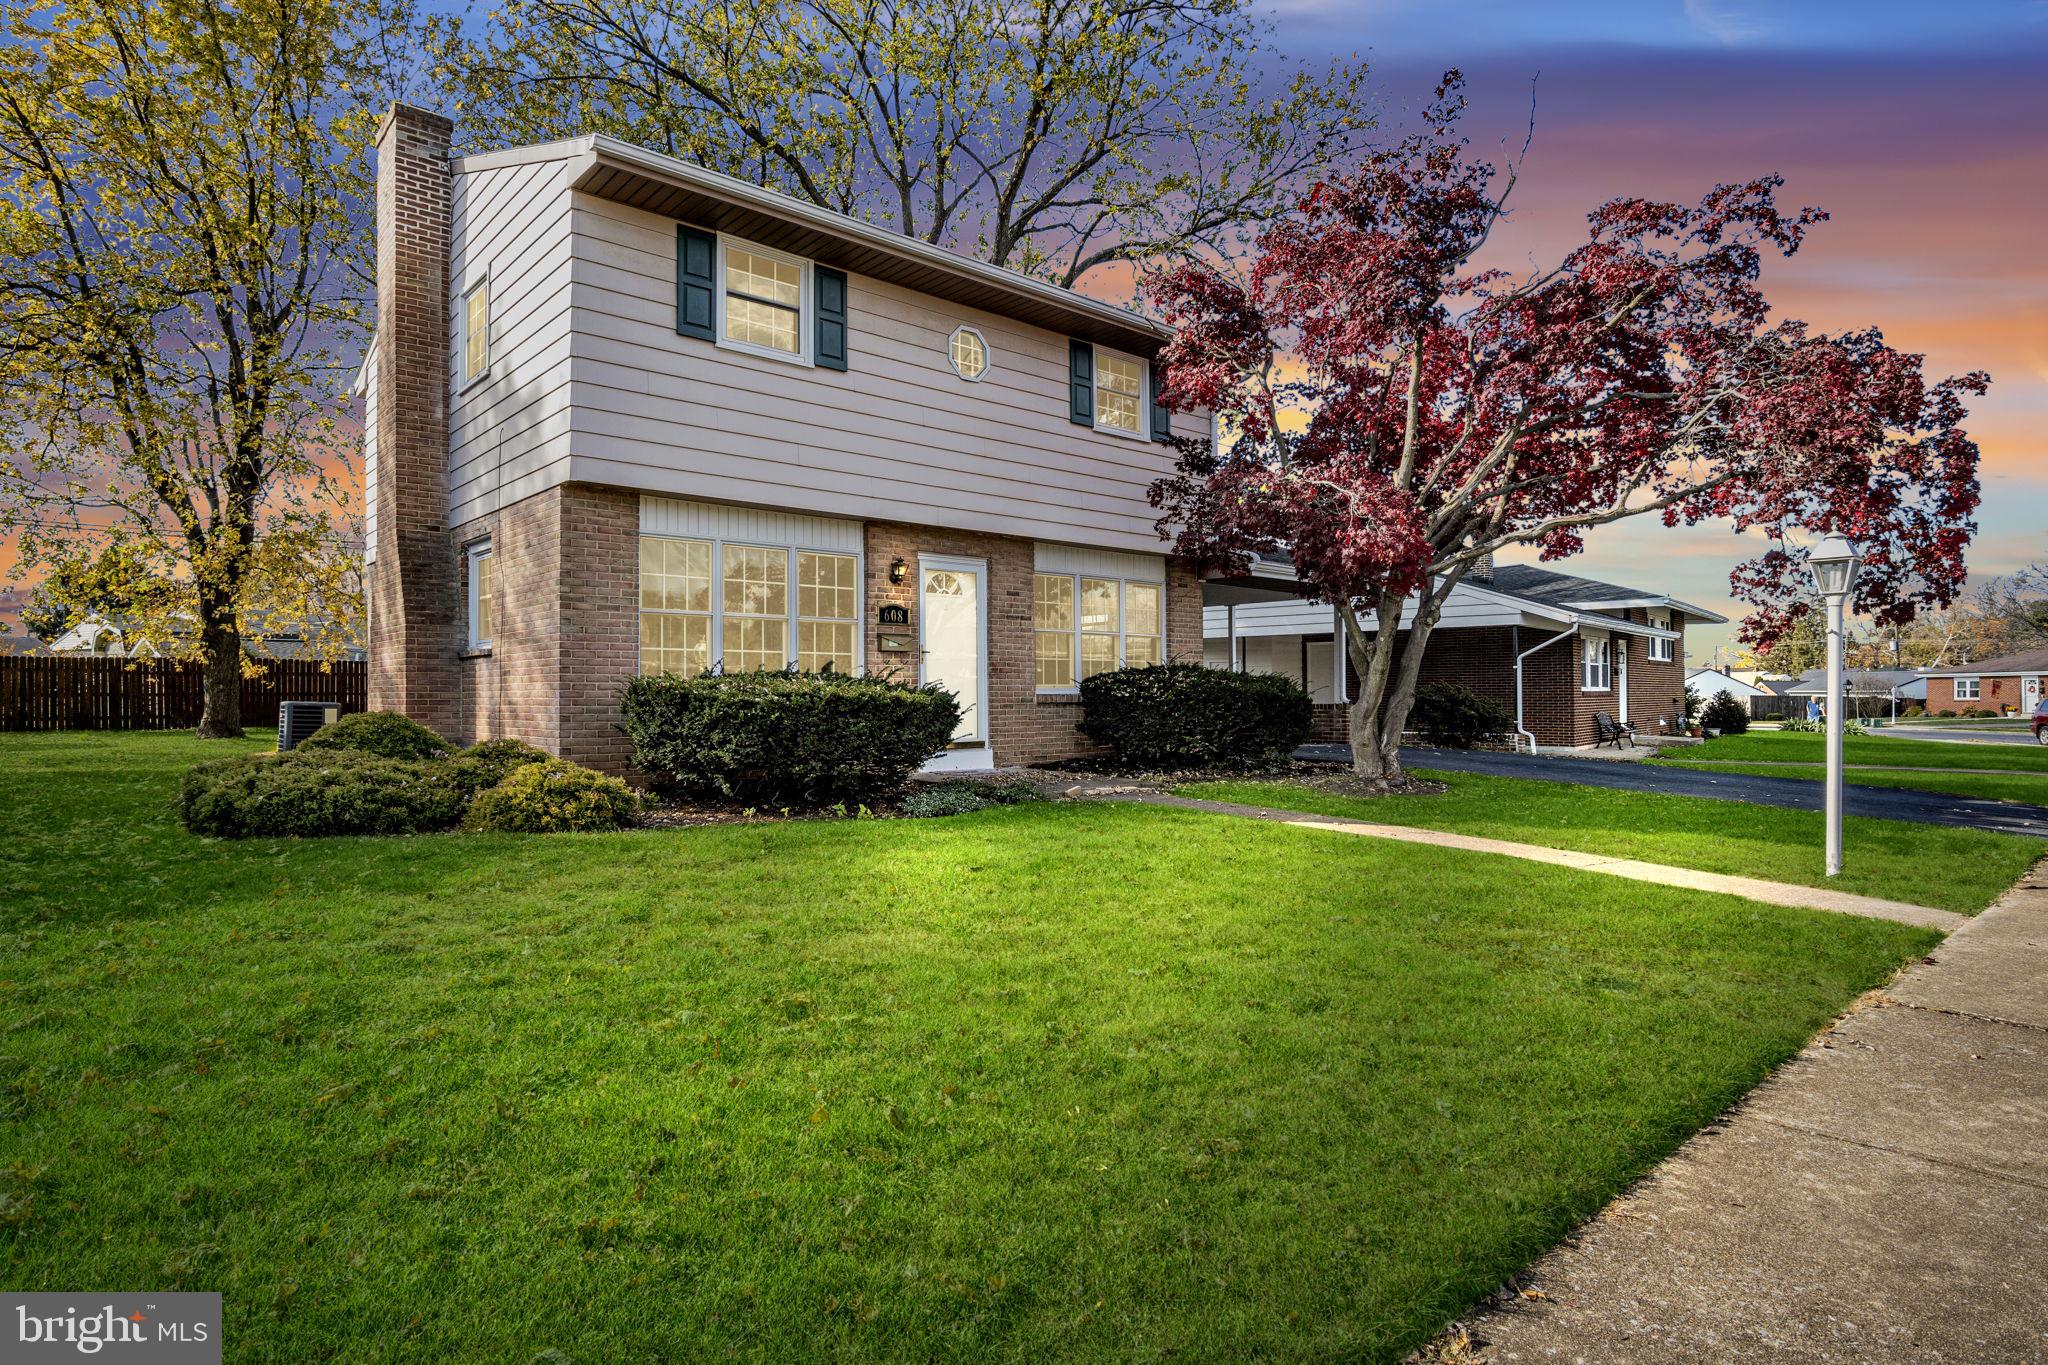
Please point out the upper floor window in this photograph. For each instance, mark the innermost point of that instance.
(1599, 669)
(483, 596)
(1085, 625)
(476, 331)
(969, 353)
(1119, 392)
(763, 299)
(1661, 650)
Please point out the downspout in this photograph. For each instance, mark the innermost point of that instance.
(1520, 728)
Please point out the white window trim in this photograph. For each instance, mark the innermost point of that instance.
(806, 325)
(475, 551)
(1976, 689)
(1661, 651)
(1123, 623)
(483, 282)
(1603, 660)
(988, 355)
(791, 616)
(1144, 431)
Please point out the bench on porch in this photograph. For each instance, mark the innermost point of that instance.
(1608, 730)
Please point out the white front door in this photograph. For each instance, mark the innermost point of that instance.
(2030, 695)
(953, 637)
(1621, 678)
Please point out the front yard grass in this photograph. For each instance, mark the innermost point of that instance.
(1952, 869)
(1809, 747)
(2029, 789)
(1059, 1082)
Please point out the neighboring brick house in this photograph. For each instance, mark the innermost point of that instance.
(1577, 647)
(2010, 682)
(625, 414)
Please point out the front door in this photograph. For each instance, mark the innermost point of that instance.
(1621, 678)
(2030, 695)
(953, 635)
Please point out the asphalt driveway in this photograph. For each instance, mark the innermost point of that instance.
(1885, 803)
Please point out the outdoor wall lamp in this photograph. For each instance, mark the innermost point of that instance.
(897, 568)
(1834, 563)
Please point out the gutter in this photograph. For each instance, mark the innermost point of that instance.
(1520, 728)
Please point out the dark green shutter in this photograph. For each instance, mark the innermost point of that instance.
(696, 263)
(831, 348)
(1081, 382)
(1162, 420)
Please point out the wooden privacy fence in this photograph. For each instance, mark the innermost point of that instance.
(157, 694)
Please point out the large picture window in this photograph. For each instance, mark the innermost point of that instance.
(707, 603)
(1084, 625)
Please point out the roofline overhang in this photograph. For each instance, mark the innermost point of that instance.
(610, 168)
(1654, 600)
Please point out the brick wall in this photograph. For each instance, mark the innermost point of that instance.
(600, 643)
(414, 587)
(1995, 692)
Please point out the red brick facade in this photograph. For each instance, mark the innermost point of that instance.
(1995, 692)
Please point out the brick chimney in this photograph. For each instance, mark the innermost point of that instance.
(415, 590)
(1481, 570)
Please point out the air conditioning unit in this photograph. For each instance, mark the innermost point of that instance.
(297, 719)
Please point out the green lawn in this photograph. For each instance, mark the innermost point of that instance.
(1954, 869)
(1988, 786)
(1044, 1083)
(1776, 746)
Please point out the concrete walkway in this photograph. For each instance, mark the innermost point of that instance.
(1756, 889)
(1882, 1197)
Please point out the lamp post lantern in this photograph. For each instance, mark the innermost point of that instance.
(1834, 563)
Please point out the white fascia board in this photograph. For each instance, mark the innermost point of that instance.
(361, 383)
(561, 150)
(1622, 603)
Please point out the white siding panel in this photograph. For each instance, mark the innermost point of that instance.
(1101, 563)
(708, 521)
(898, 437)
(1461, 611)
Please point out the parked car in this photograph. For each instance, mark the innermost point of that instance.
(2041, 722)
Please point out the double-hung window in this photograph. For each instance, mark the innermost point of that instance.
(1119, 392)
(1599, 669)
(1084, 625)
(1660, 651)
(483, 595)
(762, 299)
(708, 602)
(1969, 689)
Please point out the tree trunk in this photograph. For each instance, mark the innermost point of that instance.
(1388, 672)
(220, 640)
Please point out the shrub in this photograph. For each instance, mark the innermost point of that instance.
(550, 797)
(386, 734)
(786, 739)
(1798, 725)
(959, 797)
(1913, 711)
(331, 791)
(1692, 705)
(1724, 713)
(1191, 716)
(1448, 716)
(483, 766)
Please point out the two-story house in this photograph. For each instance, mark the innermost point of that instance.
(624, 414)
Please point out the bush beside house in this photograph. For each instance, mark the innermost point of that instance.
(1190, 716)
(1726, 714)
(552, 797)
(1448, 716)
(785, 739)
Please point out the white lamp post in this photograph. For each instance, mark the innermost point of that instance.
(1833, 562)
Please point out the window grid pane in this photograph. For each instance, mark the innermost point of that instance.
(1098, 654)
(756, 581)
(675, 575)
(970, 356)
(674, 642)
(1117, 384)
(819, 643)
(1142, 609)
(1141, 651)
(754, 323)
(825, 585)
(477, 331)
(754, 642)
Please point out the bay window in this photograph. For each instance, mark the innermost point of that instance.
(1084, 625)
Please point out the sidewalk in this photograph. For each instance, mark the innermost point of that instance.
(1884, 1196)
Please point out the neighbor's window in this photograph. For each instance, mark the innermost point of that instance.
(483, 596)
(1968, 689)
(476, 331)
(1119, 391)
(1660, 650)
(827, 588)
(686, 626)
(764, 299)
(1098, 623)
(1599, 666)
(969, 353)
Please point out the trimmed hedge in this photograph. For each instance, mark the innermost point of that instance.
(386, 734)
(321, 792)
(483, 766)
(1192, 716)
(785, 739)
(1449, 716)
(552, 797)
(1722, 712)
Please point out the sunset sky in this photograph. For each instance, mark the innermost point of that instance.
(1921, 127)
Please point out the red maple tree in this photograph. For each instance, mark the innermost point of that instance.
(1397, 414)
